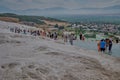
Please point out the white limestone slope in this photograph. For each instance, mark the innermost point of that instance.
(26, 57)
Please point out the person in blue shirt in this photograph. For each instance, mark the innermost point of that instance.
(102, 45)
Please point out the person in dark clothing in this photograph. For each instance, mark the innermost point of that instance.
(38, 32)
(110, 46)
(24, 31)
(107, 43)
(117, 41)
(52, 35)
(80, 36)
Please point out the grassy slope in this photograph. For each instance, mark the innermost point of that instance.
(35, 19)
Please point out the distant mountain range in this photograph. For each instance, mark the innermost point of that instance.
(57, 10)
(105, 8)
(47, 9)
(4, 9)
(113, 7)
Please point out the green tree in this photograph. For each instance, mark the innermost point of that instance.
(56, 26)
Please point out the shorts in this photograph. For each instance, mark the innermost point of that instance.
(102, 49)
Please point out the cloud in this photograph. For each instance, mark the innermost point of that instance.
(70, 4)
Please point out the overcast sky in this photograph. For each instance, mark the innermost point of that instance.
(71, 4)
(33, 7)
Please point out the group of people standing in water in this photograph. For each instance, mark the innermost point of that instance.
(105, 45)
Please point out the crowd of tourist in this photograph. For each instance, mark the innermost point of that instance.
(37, 32)
(104, 45)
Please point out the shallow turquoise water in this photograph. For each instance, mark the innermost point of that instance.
(92, 45)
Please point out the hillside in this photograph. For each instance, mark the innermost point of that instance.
(9, 19)
(25, 19)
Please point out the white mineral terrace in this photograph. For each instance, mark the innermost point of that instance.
(26, 57)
